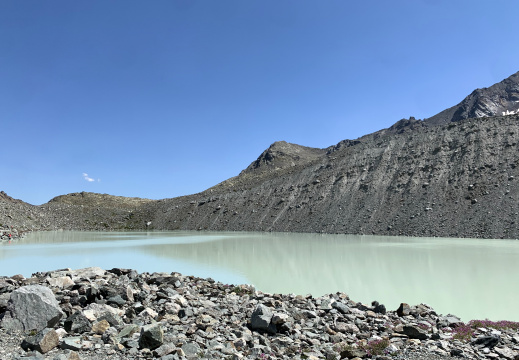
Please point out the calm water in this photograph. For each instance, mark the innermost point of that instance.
(468, 277)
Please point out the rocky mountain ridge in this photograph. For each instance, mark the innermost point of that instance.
(444, 176)
(499, 99)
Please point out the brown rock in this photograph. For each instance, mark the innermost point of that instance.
(100, 327)
(44, 341)
(73, 356)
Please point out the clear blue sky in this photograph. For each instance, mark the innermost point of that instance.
(159, 99)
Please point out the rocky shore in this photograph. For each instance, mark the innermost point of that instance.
(121, 314)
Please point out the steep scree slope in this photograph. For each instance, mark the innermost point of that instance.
(452, 180)
(458, 179)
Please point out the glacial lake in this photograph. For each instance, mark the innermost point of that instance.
(471, 278)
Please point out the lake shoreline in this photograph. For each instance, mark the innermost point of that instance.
(389, 269)
(121, 314)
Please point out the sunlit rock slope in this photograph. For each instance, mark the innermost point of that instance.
(454, 174)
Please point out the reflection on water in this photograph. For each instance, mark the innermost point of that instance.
(471, 278)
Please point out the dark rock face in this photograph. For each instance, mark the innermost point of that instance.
(152, 336)
(77, 323)
(496, 100)
(261, 319)
(414, 332)
(343, 309)
(487, 341)
(380, 309)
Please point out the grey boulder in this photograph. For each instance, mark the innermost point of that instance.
(261, 319)
(342, 308)
(32, 307)
(152, 336)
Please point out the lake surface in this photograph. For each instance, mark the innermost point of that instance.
(471, 278)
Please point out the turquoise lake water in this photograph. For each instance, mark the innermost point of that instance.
(471, 278)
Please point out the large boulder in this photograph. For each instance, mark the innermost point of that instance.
(261, 319)
(414, 332)
(403, 310)
(342, 308)
(152, 336)
(32, 307)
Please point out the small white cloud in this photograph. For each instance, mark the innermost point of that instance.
(87, 178)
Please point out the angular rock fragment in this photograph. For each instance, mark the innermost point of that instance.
(77, 323)
(414, 332)
(164, 349)
(71, 343)
(403, 310)
(111, 318)
(450, 321)
(190, 349)
(128, 331)
(261, 319)
(87, 273)
(506, 353)
(44, 341)
(63, 282)
(487, 341)
(100, 327)
(152, 336)
(342, 308)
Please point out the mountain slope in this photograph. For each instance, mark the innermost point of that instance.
(499, 99)
(452, 180)
(445, 176)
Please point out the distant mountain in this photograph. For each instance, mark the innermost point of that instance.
(498, 100)
(93, 199)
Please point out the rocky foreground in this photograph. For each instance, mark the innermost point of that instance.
(120, 314)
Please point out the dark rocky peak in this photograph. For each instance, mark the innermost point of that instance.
(500, 99)
(282, 155)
